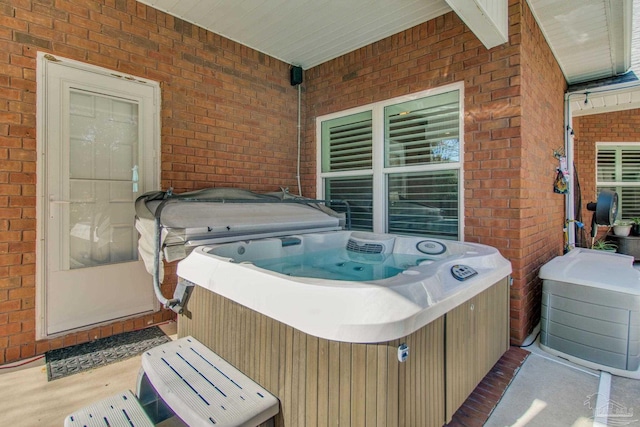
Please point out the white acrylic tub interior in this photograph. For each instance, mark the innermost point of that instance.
(352, 310)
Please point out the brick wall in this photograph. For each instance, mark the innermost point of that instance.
(619, 126)
(229, 118)
(541, 211)
(509, 202)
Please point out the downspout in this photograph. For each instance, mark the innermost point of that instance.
(569, 205)
(299, 131)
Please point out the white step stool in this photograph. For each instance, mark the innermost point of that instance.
(121, 410)
(185, 378)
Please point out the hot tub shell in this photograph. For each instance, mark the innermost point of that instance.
(591, 311)
(344, 310)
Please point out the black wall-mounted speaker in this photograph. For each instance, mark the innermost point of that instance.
(296, 75)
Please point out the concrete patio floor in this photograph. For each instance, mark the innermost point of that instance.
(547, 391)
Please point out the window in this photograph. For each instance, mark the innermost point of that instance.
(618, 169)
(397, 163)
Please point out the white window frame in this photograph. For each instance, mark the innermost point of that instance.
(632, 145)
(378, 171)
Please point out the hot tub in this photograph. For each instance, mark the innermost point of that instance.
(591, 310)
(347, 286)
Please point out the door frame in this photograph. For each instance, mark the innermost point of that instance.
(42, 61)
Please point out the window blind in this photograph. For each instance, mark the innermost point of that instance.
(346, 143)
(358, 192)
(630, 165)
(606, 164)
(424, 131)
(630, 202)
(424, 203)
(618, 169)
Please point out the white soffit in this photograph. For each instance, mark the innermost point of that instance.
(607, 100)
(304, 32)
(589, 38)
(616, 97)
(488, 19)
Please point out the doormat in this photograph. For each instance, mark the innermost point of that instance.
(82, 357)
(475, 411)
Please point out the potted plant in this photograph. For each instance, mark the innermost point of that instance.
(622, 228)
(635, 226)
(603, 245)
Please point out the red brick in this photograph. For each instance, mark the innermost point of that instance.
(11, 354)
(9, 306)
(256, 147)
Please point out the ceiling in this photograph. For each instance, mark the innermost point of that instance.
(590, 38)
(304, 32)
(614, 94)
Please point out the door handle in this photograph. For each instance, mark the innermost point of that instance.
(52, 202)
(134, 178)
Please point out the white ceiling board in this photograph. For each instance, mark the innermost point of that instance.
(624, 97)
(304, 32)
(587, 37)
(617, 96)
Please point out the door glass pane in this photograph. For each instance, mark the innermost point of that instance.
(103, 147)
(424, 203)
(358, 192)
(103, 137)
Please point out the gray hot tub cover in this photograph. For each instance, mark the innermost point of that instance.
(216, 215)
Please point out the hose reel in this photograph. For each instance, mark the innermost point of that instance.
(605, 210)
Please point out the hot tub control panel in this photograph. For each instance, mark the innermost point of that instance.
(462, 272)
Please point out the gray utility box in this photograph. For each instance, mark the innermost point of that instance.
(591, 311)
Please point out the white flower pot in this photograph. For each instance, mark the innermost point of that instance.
(621, 230)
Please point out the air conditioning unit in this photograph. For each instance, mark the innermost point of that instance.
(591, 311)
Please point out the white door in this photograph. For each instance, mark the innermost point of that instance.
(99, 145)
